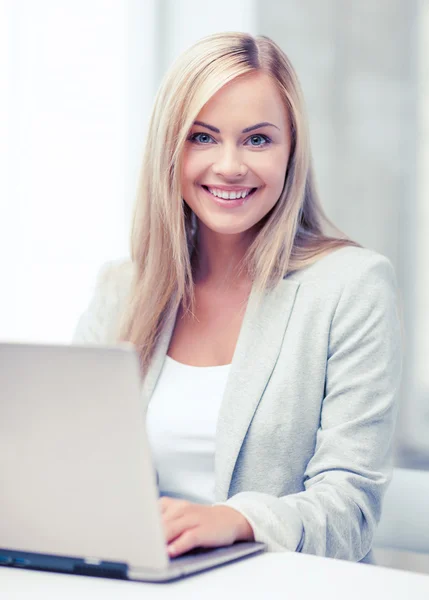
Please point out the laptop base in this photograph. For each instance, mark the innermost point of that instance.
(198, 560)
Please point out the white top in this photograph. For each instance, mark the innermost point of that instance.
(181, 425)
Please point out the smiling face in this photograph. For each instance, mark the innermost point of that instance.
(236, 155)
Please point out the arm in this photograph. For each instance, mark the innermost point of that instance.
(346, 478)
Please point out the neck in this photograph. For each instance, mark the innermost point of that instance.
(218, 258)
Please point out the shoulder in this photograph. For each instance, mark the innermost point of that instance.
(348, 282)
(347, 265)
(352, 296)
(100, 323)
(113, 284)
(116, 274)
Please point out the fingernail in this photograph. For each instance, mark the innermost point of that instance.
(170, 550)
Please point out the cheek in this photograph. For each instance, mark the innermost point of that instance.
(194, 165)
(275, 179)
(272, 172)
(272, 163)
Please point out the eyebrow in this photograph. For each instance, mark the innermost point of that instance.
(246, 130)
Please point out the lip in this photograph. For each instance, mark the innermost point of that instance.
(229, 203)
(231, 188)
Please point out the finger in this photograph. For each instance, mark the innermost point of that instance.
(177, 527)
(185, 542)
(164, 503)
(172, 508)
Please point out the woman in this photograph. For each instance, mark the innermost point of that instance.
(270, 352)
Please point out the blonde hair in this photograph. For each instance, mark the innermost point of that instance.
(290, 237)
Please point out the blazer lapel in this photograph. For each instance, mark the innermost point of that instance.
(158, 358)
(258, 346)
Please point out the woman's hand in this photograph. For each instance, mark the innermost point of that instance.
(188, 525)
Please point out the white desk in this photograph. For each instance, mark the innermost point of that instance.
(268, 576)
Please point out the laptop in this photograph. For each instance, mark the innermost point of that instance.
(78, 487)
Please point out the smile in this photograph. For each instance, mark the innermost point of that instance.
(229, 199)
(229, 194)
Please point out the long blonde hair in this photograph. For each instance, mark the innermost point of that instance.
(291, 236)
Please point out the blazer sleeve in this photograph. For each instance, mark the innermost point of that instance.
(346, 478)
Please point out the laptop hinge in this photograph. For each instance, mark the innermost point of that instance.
(99, 568)
(63, 564)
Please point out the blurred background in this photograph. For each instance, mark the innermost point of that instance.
(77, 82)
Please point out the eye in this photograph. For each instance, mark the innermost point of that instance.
(258, 140)
(201, 138)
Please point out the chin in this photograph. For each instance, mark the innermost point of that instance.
(228, 228)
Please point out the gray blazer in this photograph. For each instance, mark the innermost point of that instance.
(304, 433)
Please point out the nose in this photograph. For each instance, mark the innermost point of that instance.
(229, 163)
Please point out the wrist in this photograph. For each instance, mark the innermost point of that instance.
(244, 529)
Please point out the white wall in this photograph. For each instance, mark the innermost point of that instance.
(417, 431)
(77, 83)
(183, 22)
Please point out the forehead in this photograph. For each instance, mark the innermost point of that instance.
(247, 100)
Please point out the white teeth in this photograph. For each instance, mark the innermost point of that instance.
(228, 196)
